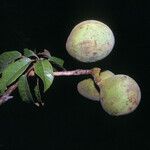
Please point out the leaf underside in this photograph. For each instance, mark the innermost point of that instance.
(37, 92)
(24, 89)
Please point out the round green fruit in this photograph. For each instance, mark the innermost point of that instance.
(90, 41)
(119, 95)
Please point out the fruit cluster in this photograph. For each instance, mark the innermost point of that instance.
(91, 41)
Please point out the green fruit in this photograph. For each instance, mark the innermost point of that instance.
(87, 89)
(119, 95)
(90, 41)
(105, 75)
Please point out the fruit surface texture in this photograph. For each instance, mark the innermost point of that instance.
(90, 41)
(87, 89)
(119, 95)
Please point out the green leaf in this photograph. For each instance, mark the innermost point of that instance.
(29, 53)
(2, 87)
(37, 92)
(14, 70)
(57, 61)
(44, 70)
(24, 89)
(7, 58)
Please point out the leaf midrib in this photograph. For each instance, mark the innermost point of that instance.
(25, 66)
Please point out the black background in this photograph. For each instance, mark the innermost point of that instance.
(68, 120)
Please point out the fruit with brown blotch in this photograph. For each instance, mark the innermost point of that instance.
(90, 41)
(119, 95)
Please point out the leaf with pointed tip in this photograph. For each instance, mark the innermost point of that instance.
(29, 53)
(37, 91)
(57, 61)
(44, 70)
(7, 58)
(24, 89)
(45, 53)
(14, 70)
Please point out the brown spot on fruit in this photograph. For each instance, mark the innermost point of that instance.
(86, 43)
(94, 53)
(130, 109)
(135, 102)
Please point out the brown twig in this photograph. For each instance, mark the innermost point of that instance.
(6, 96)
(73, 72)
